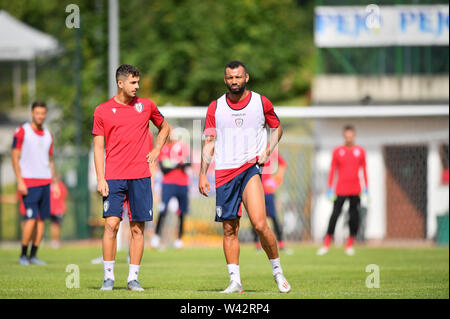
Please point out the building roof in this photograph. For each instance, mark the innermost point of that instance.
(19, 41)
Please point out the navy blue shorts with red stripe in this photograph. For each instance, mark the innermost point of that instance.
(134, 194)
(229, 195)
(37, 202)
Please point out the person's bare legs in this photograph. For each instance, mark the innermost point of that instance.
(109, 246)
(136, 250)
(37, 238)
(55, 230)
(232, 250)
(136, 242)
(253, 199)
(109, 242)
(231, 241)
(28, 230)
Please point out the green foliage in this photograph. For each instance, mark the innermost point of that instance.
(180, 46)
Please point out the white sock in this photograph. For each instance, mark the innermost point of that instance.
(276, 266)
(108, 267)
(133, 272)
(233, 271)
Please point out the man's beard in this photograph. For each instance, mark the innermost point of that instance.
(238, 90)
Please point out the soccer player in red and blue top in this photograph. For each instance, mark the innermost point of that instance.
(347, 161)
(121, 126)
(235, 134)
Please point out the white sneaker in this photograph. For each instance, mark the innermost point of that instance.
(134, 285)
(282, 283)
(108, 284)
(349, 251)
(154, 243)
(322, 251)
(233, 287)
(178, 244)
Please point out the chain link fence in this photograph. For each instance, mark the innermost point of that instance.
(407, 162)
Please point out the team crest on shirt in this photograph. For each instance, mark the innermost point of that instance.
(239, 122)
(356, 152)
(139, 107)
(219, 211)
(341, 152)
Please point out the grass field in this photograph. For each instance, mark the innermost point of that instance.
(200, 273)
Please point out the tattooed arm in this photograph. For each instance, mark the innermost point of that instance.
(207, 154)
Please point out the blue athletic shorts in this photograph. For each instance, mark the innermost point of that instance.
(136, 193)
(229, 195)
(37, 202)
(270, 205)
(179, 192)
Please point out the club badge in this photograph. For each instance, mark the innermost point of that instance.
(139, 107)
(219, 211)
(105, 206)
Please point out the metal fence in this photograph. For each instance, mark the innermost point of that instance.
(408, 177)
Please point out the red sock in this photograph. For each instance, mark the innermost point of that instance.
(258, 245)
(350, 241)
(327, 240)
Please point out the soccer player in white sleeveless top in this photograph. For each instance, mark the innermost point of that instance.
(32, 160)
(235, 134)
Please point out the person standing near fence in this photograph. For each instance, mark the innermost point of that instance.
(32, 161)
(347, 161)
(121, 126)
(235, 134)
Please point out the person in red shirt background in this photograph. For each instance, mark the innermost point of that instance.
(347, 161)
(173, 161)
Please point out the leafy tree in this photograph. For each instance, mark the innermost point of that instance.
(180, 46)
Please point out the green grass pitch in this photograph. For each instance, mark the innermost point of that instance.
(200, 273)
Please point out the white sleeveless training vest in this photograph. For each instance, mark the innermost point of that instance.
(241, 134)
(34, 159)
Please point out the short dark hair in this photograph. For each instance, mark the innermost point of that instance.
(38, 103)
(235, 64)
(125, 70)
(349, 127)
